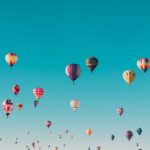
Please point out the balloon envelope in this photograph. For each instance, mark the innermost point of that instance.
(129, 76)
(75, 104)
(139, 131)
(129, 135)
(38, 93)
(7, 106)
(91, 63)
(48, 124)
(120, 111)
(15, 89)
(73, 71)
(143, 64)
(11, 59)
(89, 131)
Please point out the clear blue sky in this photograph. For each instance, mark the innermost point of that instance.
(47, 35)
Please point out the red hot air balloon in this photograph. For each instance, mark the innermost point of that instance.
(7, 106)
(73, 71)
(38, 93)
(120, 111)
(129, 135)
(19, 106)
(48, 124)
(16, 89)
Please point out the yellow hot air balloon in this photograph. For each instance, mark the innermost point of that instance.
(129, 76)
(11, 59)
(74, 104)
(89, 131)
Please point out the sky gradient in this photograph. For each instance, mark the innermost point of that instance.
(47, 36)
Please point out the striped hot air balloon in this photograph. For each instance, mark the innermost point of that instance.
(38, 93)
(74, 104)
(11, 59)
(143, 64)
(7, 106)
(73, 71)
(89, 132)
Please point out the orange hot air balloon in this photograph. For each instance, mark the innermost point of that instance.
(129, 76)
(89, 132)
(11, 59)
(19, 106)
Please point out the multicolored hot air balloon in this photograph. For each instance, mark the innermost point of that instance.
(48, 124)
(74, 104)
(73, 71)
(129, 134)
(143, 64)
(129, 76)
(15, 89)
(38, 93)
(11, 59)
(89, 131)
(112, 137)
(91, 63)
(139, 131)
(7, 106)
(120, 111)
(19, 106)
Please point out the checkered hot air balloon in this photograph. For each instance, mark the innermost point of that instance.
(11, 59)
(89, 132)
(7, 106)
(75, 104)
(38, 93)
(129, 76)
(15, 89)
(143, 64)
(73, 71)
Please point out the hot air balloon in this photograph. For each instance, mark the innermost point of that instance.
(48, 124)
(16, 89)
(38, 93)
(89, 131)
(19, 106)
(112, 137)
(91, 63)
(35, 103)
(120, 111)
(11, 59)
(129, 76)
(129, 135)
(139, 131)
(74, 104)
(33, 145)
(98, 148)
(143, 64)
(7, 106)
(73, 71)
